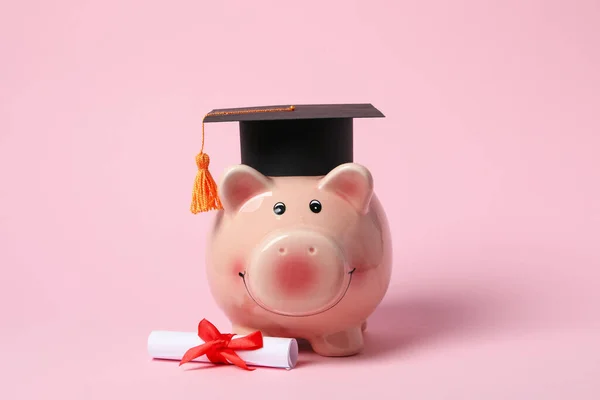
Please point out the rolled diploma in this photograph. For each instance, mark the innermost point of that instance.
(275, 353)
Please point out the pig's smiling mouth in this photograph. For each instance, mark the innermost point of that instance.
(243, 276)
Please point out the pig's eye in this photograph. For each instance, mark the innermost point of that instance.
(315, 206)
(279, 208)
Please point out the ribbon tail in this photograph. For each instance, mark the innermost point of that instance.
(252, 341)
(233, 358)
(195, 352)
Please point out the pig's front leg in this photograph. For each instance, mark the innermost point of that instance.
(339, 344)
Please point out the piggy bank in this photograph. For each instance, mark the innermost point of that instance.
(307, 257)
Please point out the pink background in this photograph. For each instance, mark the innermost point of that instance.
(488, 165)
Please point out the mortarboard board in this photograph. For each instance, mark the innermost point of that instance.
(302, 140)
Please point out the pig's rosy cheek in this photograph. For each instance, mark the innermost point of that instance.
(236, 268)
(360, 274)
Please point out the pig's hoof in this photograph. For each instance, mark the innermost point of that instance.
(340, 344)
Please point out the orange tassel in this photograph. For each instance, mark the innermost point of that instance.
(205, 196)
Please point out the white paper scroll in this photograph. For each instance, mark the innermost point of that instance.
(275, 353)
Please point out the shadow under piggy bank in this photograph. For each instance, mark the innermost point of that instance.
(409, 322)
(399, 325)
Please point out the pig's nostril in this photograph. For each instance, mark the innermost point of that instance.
(281, 250)
(312, 250)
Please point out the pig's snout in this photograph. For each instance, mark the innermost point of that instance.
(297, 264)
(297, 273)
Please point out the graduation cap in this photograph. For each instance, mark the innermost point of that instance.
(301, 140)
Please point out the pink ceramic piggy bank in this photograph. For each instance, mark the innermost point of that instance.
(302, 257)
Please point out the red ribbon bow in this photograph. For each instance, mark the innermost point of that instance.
(220, 348)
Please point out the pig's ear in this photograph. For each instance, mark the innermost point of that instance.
(353, 182)
(241, 183)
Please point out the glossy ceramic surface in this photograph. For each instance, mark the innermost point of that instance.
(303, 257)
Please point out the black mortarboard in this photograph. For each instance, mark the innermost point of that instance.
(301, 140)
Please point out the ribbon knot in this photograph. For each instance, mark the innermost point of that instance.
(220, 348)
